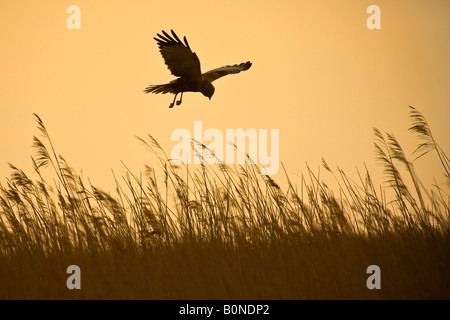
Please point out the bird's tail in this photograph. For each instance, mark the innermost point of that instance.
(160, 88)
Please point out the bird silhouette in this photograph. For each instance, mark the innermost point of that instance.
(184, 64)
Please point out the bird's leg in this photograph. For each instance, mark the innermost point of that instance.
(181, 99)
(173, 102)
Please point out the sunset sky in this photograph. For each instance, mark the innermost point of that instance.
(319, 75)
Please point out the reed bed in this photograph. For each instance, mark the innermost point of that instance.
(225, 232)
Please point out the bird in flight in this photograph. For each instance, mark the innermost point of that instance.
(184, 64)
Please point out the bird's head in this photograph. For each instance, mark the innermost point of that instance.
(207, 89)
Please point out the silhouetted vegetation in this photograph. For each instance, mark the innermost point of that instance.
(225, 232)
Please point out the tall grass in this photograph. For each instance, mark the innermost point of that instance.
(225, 232)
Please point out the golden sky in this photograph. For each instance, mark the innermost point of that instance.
(319, 75)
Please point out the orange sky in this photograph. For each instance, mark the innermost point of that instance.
(319, 75)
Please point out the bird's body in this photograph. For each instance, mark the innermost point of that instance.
(180, 85)
(184, 64)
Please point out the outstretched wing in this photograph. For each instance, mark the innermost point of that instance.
(179, 58)
(223, 71)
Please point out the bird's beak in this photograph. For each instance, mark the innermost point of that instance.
(209, 98)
